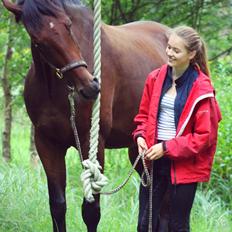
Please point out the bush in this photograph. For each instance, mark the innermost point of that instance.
(221, 181)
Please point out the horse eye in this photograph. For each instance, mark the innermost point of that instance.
(35, 42)
(36, 45)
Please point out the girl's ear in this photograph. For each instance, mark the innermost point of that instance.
(192, 54)
(14, 8)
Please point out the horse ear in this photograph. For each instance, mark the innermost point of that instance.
(14, 8)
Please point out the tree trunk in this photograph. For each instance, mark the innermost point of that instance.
(7, 98)
(33, 153)
(196, 13)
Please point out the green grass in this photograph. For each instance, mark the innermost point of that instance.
(209, 214)
(24, 202)
(24, 198)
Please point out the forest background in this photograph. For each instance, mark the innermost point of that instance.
(23, 192)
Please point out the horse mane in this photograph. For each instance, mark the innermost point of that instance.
(32, 11)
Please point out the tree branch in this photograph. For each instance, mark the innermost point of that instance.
(226, 52)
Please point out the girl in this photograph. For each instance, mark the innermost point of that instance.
(177, 125)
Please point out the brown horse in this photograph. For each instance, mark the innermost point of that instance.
(61, 34)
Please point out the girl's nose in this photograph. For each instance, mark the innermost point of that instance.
(169, 52)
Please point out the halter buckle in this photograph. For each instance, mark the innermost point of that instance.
(59, 73)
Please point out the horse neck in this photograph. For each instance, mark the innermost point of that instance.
(39, 63)
(44, 74)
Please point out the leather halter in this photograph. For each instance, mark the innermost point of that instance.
(68, 67)
(74, 64)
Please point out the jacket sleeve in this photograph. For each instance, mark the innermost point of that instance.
(203, 132)
(142, 116)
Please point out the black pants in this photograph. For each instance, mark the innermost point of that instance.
(171, 204)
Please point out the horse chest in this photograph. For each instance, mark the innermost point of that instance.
(50, 121)
(54, 125)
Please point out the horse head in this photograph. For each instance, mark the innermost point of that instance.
(50, 30)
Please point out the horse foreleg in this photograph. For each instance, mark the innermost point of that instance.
(57, 201)
(91, 214)
(52, 157)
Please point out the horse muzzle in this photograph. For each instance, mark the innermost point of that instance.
(91, 92)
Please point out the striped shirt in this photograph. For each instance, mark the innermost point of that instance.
(166, 120)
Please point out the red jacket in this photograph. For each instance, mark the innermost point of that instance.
(193, 148)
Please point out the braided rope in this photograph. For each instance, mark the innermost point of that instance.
(92, 178)
(150, 201)
(91, 187)
(144, 183)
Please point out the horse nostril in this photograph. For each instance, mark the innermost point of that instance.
(91, 92)
(96, 82)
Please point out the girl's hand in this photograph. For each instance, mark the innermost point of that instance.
(142, 145)
(155, 152)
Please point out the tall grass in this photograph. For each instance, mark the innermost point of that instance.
(24, 199)
(209, 213)
(24, 202)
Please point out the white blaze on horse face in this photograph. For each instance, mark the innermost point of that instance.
(51, 25)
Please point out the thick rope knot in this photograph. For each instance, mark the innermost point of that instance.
(92, 178)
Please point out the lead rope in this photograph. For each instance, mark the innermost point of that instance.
(146, 182)
(150, 201)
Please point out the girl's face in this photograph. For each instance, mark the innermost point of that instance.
(178, 55)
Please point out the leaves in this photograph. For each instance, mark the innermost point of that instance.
(20, 53)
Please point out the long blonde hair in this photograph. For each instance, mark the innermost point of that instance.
(194, 42)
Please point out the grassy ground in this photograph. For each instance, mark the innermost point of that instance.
(24, 198)
(24, 206)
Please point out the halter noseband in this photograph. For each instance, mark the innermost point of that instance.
(70, 66)
(60, 71)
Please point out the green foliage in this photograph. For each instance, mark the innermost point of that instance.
(222, 77)
(222, 169)
(21, 55)
(212, 18)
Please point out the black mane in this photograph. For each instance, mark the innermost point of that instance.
(33, 11)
